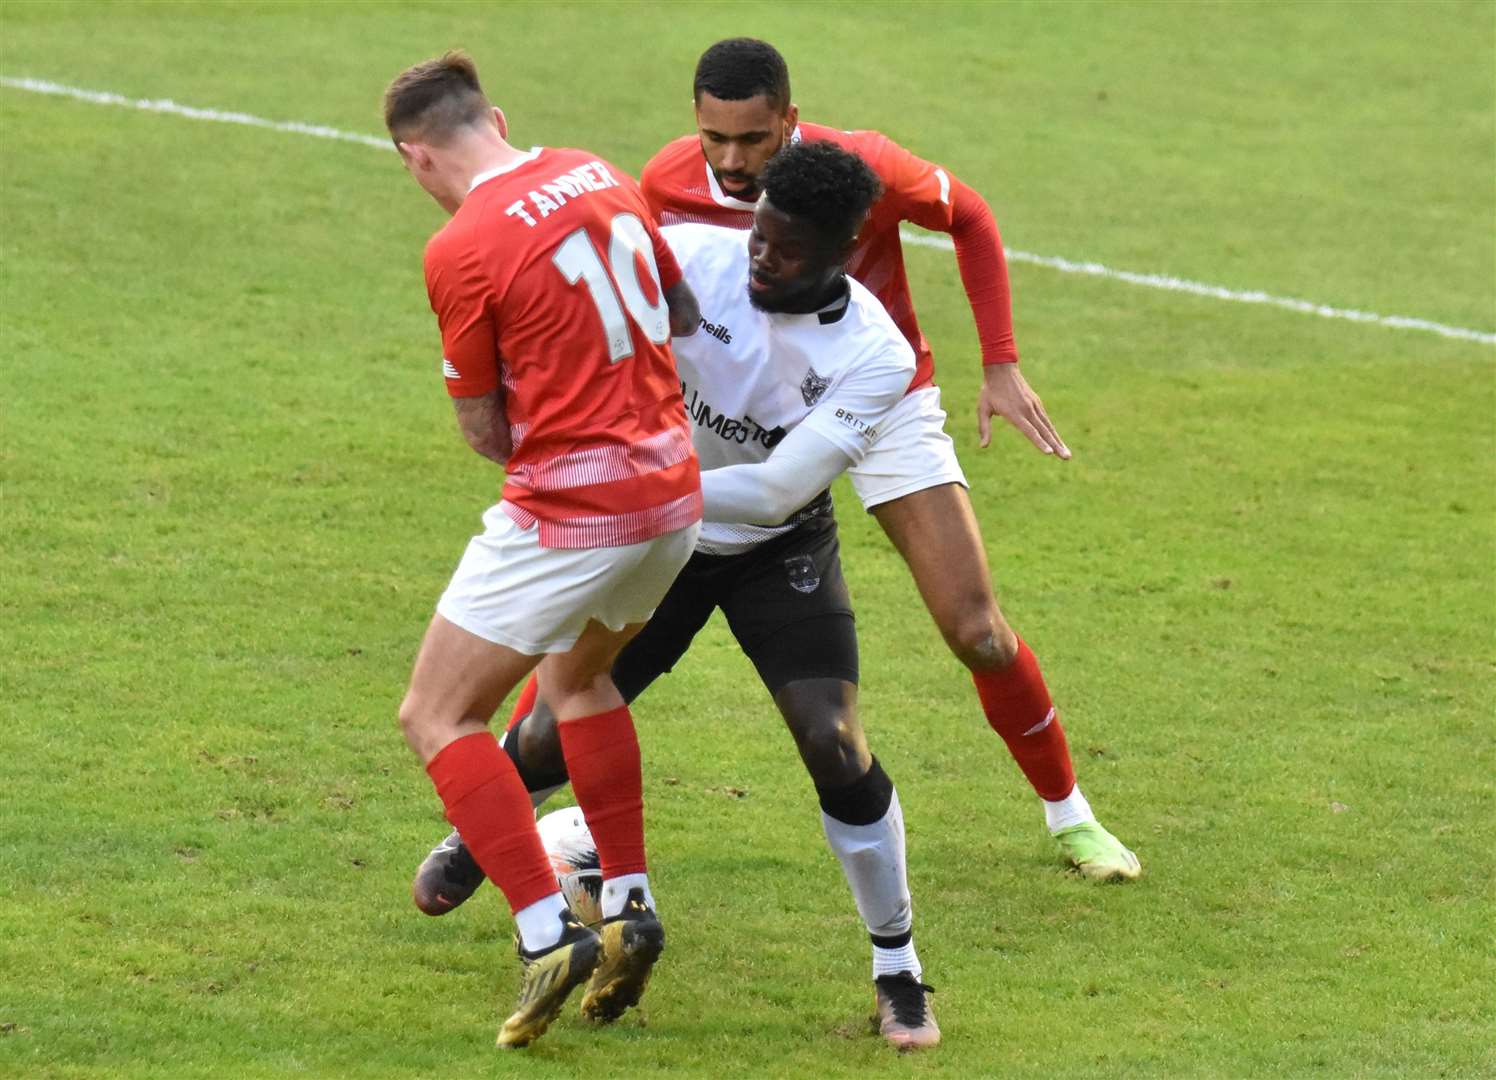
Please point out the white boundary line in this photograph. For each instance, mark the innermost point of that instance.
(166, 105)
(1064, 266)
(1219, 292)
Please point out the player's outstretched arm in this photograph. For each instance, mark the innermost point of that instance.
(984, 276)
(768, 492)
(685, 313)
(485, 425)
(1006, 393)
(931, 197)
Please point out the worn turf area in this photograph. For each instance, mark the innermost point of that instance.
(1264, 591)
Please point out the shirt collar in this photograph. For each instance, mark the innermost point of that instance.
(524, 159)
(833, 312)
(720, 197)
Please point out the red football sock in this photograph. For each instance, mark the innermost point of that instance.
(602, 756)
(486, 801)
(1017, 705)
(525, 703)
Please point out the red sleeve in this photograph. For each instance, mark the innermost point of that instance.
(470, 358)
(928, 196)
(984, 274)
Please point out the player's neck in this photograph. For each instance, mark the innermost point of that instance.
(834, 291)
(495, 154)
(485, 153)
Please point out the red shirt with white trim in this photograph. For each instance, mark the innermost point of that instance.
(549, 282)
(680, 188)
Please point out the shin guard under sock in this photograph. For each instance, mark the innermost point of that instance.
(1019, 709)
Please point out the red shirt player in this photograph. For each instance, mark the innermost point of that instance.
(681, 187)
(568, 313)
(910, 480)
(556, 298)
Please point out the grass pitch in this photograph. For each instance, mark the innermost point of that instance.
(1264, 592)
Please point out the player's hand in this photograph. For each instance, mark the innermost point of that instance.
(1006, 393)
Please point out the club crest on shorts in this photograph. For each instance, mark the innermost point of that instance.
(802, 573)
(813, 387)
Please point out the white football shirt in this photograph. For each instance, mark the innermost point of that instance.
(749, 376)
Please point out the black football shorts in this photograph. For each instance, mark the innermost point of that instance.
(785, 601)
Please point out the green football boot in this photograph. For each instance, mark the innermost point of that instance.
(1097, 854)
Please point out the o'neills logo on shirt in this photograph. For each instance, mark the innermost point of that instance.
(721, 333)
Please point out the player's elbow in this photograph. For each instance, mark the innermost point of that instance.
(488, 444)
(685, 313)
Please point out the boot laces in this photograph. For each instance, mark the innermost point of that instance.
(906, 996)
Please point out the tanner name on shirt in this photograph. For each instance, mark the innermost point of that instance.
(572, 184)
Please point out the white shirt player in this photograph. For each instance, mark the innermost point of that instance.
(779, 404)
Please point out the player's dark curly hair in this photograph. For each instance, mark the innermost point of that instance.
(741, 68)
(824, 184)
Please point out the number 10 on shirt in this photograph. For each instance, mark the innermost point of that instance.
(578, 260)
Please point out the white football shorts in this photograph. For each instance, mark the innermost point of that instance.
(911, 453)
(509, 590)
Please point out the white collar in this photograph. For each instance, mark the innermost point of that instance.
(720, 197)
(837, 307)
(484, 177)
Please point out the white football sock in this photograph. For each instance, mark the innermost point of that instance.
(539, 924)
(1071, 810)
(893, 961)
(872, 858)
(616, 892)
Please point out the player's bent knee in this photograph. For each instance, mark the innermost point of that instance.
(409, 716)
(414, 724)
(981, 639)
(833, 748)
(425, 729)
(540, 742)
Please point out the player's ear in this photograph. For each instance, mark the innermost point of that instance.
(791, 119)
(502, 121)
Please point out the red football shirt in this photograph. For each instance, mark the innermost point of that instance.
(549, 281)
(680, 187)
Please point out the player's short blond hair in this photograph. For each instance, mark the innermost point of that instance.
(433, 100)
